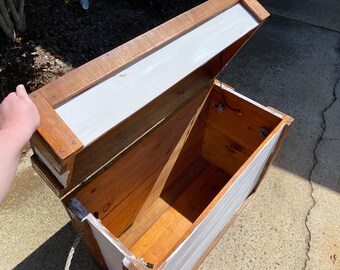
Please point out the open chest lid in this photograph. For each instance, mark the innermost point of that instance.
(110, 92)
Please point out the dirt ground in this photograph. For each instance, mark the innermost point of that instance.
(60, 36)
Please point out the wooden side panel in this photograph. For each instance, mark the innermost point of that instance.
(235, 128)
(52, 129)
(242, 120)
(222, 209)
(102, 67)
(140, 162)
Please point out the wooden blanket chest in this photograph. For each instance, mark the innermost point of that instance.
(152, 156)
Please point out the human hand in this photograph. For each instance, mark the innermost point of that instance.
(19, 116)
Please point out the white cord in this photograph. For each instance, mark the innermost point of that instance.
(73, 248)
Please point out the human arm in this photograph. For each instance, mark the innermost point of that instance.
(19, 118)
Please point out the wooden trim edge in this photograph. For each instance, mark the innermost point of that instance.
(256, 9)
(53, 130)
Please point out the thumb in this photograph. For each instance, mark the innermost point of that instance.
(21, 92)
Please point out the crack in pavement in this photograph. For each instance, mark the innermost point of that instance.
(315, 163)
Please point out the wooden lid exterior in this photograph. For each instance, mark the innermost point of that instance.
(60, 139)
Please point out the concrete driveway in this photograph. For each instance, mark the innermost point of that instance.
(293, 221)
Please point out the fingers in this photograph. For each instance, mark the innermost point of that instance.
(21, 92)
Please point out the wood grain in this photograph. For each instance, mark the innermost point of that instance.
(256, 9)
(53, 130)
(157, 242)
(136, 165)
(38, 143)
(187, 150)
(218, 213)
(223, 151)
(242, 121)
(169, 196)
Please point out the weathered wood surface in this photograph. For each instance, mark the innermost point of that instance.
(54, 131)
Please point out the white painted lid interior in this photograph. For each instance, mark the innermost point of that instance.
(103, 106)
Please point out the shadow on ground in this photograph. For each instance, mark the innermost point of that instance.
(295, 68)
(53, 253)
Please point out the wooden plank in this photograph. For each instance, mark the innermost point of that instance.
(157, 209)
(115, 254)
(53, 130)
(223, 151)
(63, 179)
(256, 9)
(250, 122)
(104, 66)
(116, 140)
(155, 244)
(136, 165)
(185, 153)
(228, 147)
